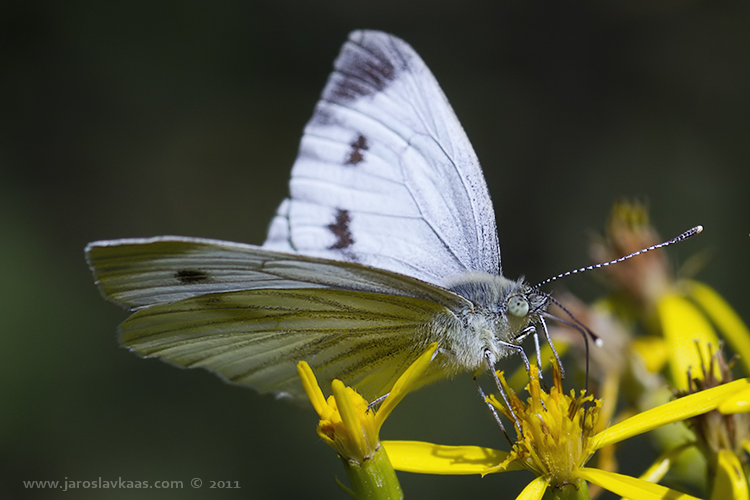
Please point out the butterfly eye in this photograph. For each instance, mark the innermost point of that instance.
(518, 306)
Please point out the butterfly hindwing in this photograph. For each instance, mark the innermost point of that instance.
(256, 337)
(385, 175)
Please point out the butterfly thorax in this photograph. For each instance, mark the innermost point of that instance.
(498, 312)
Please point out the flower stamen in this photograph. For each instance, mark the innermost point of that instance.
(557, 429)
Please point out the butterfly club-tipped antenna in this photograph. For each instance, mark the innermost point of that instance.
(687, 234)
(578, 325)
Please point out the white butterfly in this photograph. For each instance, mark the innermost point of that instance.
(386, 243)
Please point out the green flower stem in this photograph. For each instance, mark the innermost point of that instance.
(374, 479)
(579, 491)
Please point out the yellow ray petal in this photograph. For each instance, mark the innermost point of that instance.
(736, 403)
(349, 417)
(631, 487)
(661, 465)
(721, 313)
(679, 409)
(535, 489)
(428, 458)
(404, 384)
(653, 350)
(683, 325)
(730, 481)
(314, 393)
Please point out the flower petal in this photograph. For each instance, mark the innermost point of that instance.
(730, 481)
(404, 384)
(535, 489)
(652, 350)
(428, 458)
(736, 403)
(631, 487)
(683, 325)
(661, 465)
(679, 409)
(722, 314)
(349, 417)
(314, 393)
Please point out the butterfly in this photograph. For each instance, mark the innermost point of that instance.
(386, 243)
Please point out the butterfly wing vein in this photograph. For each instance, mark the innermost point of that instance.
(256, 337)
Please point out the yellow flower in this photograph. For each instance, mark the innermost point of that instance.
(731, 326)
(558, 440)
(557, 429)
(351, 427)
(688, 335)
(737, 403)
(682, 318)
(722, 436)
(682, 312)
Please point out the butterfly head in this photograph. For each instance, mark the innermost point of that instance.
(523, 305)
(505, 307)
(518, 306)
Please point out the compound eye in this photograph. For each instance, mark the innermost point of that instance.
(518, 306)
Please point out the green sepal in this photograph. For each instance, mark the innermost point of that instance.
(578, 491)
(374, 478)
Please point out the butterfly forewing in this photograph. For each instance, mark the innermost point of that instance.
(136, 273)
(256, 337)
(385, 174)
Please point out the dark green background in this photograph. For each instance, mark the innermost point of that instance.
(141, 118)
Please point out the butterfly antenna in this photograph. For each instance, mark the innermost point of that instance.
(683, 236)
(581, 326)
(585, 332)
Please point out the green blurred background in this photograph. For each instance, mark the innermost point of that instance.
(140, 118)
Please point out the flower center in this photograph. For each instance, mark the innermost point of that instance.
(557, 428)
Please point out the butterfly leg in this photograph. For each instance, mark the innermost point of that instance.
(491, 366)
(492, 409)
(525, 333)
(531, 330)
(552, 346)
(538, 353)
(519, 350)
(377, 401)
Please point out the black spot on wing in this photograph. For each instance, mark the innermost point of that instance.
(361, 70)
(191, 276)
(340, 229)
(356, 155)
